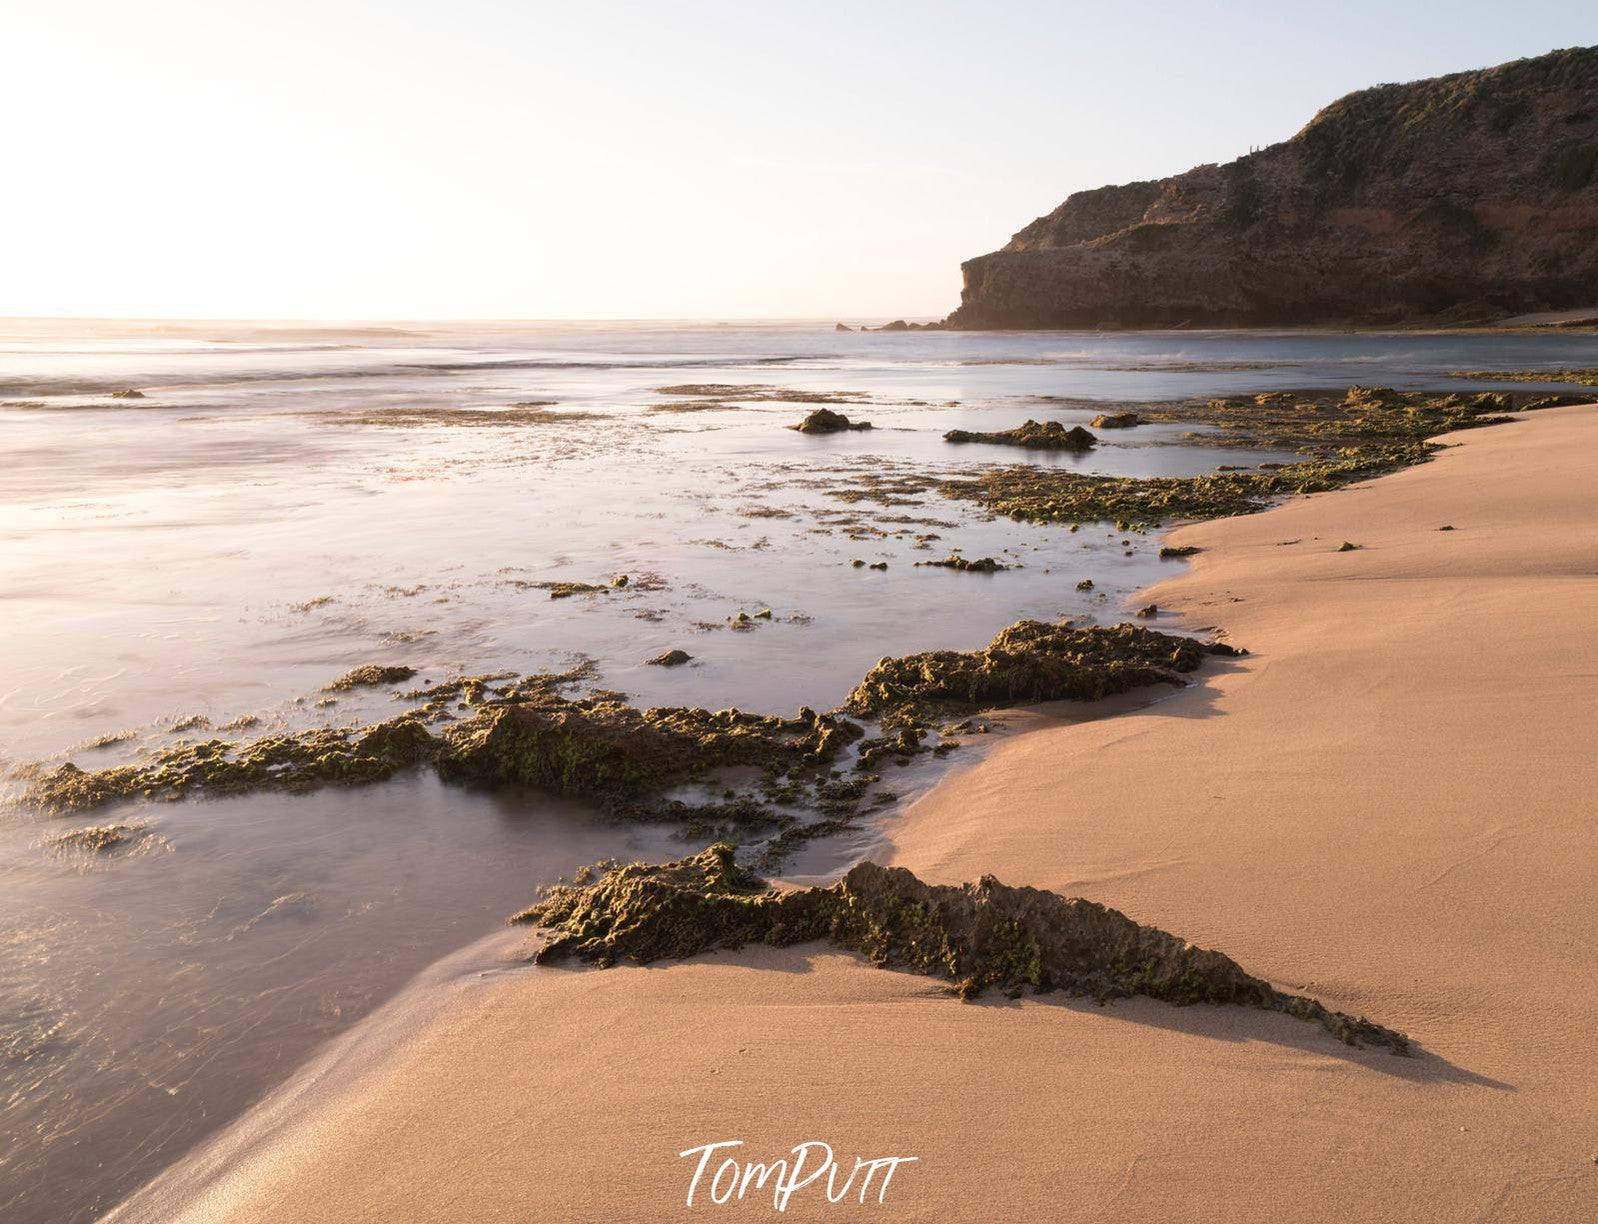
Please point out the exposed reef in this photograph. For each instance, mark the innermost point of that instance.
(954, 561)
(1578, 377)
(1035, 435)
(825, 421)
(1030, 662)
(979, 937)
(369, 675)
(1369, 431)
(1463, 198)
(1117, 420)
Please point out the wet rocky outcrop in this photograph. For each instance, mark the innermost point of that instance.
(1031, 661)
(980, 937)
(1034, 435)
(825, 421)
(1465, 197)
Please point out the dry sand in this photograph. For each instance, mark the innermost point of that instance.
(1391, 804)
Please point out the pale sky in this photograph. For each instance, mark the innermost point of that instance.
(394, 159)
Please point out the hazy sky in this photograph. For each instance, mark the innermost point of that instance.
(680, 158)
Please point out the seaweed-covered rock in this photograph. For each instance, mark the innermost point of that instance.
(1172, 552)
(825, 421)
(292, 762)
(671, 658)
(1035, 435)
(1116, 420)
(127, 393)
(982, 936)
(368, 675)
(954, 561)
(601, 747)
(1029, 662)
(97, 839)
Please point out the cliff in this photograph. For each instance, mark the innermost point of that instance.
(1466, 197)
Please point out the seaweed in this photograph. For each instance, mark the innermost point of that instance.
(291, 762)
(1034, 435)
(97, 839)
(671, 658)
(368, 675)
(1031, 661)
(824, 421)
(954, 561)
(979, 937)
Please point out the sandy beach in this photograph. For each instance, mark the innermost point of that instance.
(1388, 804)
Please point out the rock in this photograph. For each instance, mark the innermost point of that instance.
(1347, 547)
(1149, 611)
(1464, 197)
(1116, 420)
(1085, 585)
(1034, 435)
(129, 393)
(1029, 662)
(954, 561)
(672, 658)
(982, 936)
(370, 674)
(839, 327)
(1170, 552)
(825, 421)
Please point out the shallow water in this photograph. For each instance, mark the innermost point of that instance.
(284, 505)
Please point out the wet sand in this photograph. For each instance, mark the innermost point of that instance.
(1388, 804)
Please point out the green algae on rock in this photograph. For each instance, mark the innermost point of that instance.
(1030, 662)
(1577, 377)
(368, 675)
(293, 762)
(1033, 494)
(97, 839)
(824, 421)
(1116, 420)
(980, 937)
(1034, 435)
(601, 747)
(954, 561)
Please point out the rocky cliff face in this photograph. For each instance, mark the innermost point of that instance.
(1469, 196)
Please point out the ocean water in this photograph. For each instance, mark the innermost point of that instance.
(285, 503)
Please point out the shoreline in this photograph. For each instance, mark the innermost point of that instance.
(1138, 1105)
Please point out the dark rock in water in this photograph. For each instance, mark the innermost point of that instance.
(129, 393)
(1116, 420)
(1170, 552)
(1029, 662)
(672, 658)
(954, 561)
(601, 748)
(825, 421)
(838, 327)
(1149, 611)
(370, 674)
(1465, 197)
(980, 937)
(1085, 585)
(1035, 435)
